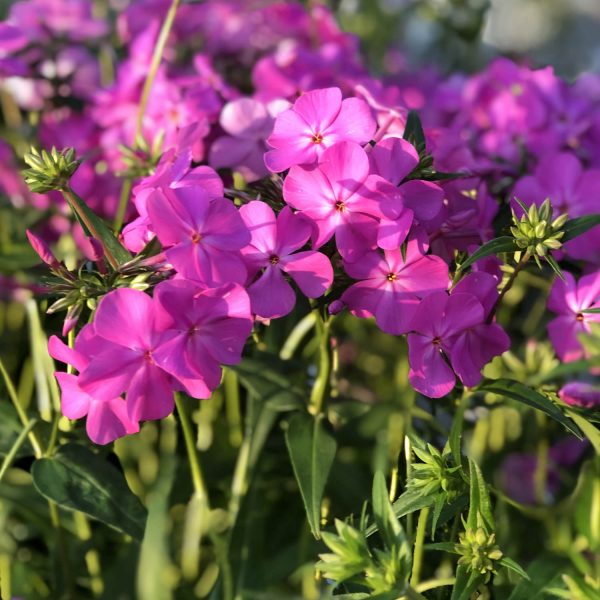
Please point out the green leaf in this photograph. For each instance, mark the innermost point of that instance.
(521, 393)
(413, 131)
(77, 479)
(541, 573)
(555, 266)
(387, 522)
(479, 500)
(495, 246)
(312, 450)
(438, 505)
(510, 564)
(575, 227)
(96, 227)
(442, 547)
(410, 501)
(591, 432)
(456, 430)
(466, 583)
(266, 377)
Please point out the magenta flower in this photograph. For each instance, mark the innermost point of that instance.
(338, 196)
(126, 338)
(318, 119)
(393, 159)
(42, 249)
(391, 286)
(579, 393)
(106, 420)
(568, 299)
(454, 335)
(272, 252)
(202, 329)
(203, 236)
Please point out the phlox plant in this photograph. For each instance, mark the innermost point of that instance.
(291, 335)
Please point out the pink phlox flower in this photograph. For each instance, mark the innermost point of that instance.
(202, 236)
(317, 120)
(126, 337)
(106, 420)
(393, 159)
(568, 299)
(580, 393)
(247, 123)
(272, 253)
(339, 195)
(203, 328)
(391, 286)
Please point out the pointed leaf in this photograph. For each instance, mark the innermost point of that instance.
(541, 573)
(466, 583)
(479, 500)
(575, 227)
(495, 246)
(410, 501)
(591, 432)
(312, 450)
(413, 131)
(521, 393)
(77, 479)
(442, 547)
(387, 522)
(510, 564)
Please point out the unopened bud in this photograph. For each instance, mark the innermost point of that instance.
(42, 249)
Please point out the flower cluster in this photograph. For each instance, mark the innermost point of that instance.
(296, 173)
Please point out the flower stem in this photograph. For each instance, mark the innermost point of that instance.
(522, 262)
(190, 446)
(321, 387)
(297, 335)
(161, 42)
(419, 541)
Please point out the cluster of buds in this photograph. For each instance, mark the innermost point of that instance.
(536, 233)
(382, 570)
(436, 474)
(141, 159)
(479, 551)
(49, 170)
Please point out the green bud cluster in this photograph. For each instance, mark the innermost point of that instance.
(49, 170)
(380, 570)
(478, 551)
(536, 232)
(436, 473)
(141, 160)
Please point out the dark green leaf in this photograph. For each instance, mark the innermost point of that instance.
(312, 450)
(542, 572)
(96, 227)
(410, 501)
(413, 131)
(437, 511)
(521, 393)
(466, 583)
(10, 428)
(266, 378)
(555, 266)
(495, 246)
(77, 479)
(575, 227)
(385, 519)
(510, 564)
(479, 500)
(442, 547)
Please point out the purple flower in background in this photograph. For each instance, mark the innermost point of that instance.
(568, 299)
(272, 252)
(247, 123)
(317, 120)
(579, 393)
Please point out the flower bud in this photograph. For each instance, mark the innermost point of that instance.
(49, 171)
(42, 249)
(478, 551)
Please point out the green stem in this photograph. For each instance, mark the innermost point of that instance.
(509, 283)
(435, 583)
(419, 542)
(15, 447)
(231, 390)
(35, 443)
(321, 387)
(297, 335)
(192, 452)
(163, 36)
